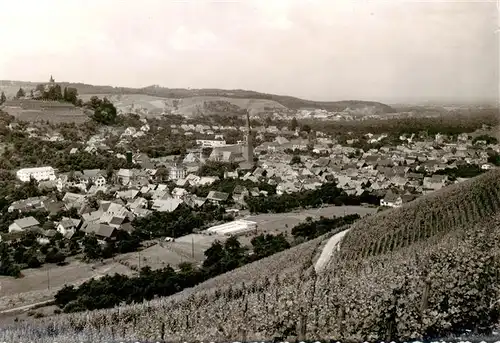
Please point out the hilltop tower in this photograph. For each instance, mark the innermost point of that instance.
(249, 141)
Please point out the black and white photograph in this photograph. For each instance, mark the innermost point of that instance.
(249, 171)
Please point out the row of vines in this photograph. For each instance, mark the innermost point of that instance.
(429, 291)
(452, 208)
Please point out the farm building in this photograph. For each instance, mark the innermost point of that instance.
(236, 227)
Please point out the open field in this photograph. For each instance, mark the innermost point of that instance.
(284, 222)
(170, 253)
(41, 284)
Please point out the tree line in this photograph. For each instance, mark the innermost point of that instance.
(328, 193)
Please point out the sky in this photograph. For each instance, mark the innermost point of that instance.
(390, 51)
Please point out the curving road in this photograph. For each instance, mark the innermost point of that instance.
(331, 246)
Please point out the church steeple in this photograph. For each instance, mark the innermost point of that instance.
(51, 79)
(249, 141)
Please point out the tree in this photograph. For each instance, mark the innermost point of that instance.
(293, 124)
(494, 158)
(3, 98)
(91, 247)
(234, 253)
(54, 256)
(20, 93)
(267, 245)
(162, 174)
(295, 160)
(70, 95)
(213, 255)
(19, 254)
(55, 93)
(33, 262)
(40, 88)
(104, 111)
(306, 128)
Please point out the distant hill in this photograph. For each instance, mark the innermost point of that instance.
(259, 102)
(426, 270)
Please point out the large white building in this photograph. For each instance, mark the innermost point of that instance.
(206, 143)
(233, 228)
(39, 174)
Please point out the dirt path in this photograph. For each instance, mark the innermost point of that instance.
(331, 246)
(27, 307)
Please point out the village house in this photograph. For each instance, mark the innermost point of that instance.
(435, 182)
(391, 200)
(239, 194)
(124, 176)
(217, 197)
(103, 232)
(192, 157)
(166, 205)
(68, 226)
(24, 224)
(29, 204)
(75, 200)
(129, 131)
(81, 179)
(179, 193)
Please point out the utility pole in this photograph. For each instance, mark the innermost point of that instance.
(139, 260)
(192, 246)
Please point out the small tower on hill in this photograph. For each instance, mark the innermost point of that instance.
(52, 79)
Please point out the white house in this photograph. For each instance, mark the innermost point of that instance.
(391, 200)
(39, 174)
(82, 180)
(67, 225)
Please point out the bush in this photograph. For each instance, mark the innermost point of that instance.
(54, 256)
(33, 262)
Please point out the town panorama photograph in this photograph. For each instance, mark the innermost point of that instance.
(249, 170)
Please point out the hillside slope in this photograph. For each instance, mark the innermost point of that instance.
(188, 107)
(451, 208)
(444, 282)
(275, 101)
(51, 111)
